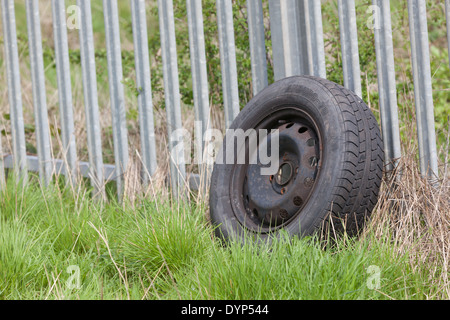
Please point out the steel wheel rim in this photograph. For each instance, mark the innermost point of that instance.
(264, 204)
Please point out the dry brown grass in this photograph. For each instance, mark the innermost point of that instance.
(413, 214)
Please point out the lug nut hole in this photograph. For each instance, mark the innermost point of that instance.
(283, 214)
(298, 201)
(302, 130)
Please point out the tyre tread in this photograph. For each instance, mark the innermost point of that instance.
(356, 194)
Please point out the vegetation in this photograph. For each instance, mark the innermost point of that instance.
(55, 244)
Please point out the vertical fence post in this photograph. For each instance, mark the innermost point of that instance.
(422, 88)
(117, 96)
(303, 51)
(64, 90)
(316, 48)
(386, 82)
(349, 46)
(14, 90)
(143, 83)
(276, 33)
(256, 33)
(172, 97)
(88, 68)
(198, 67)
(39, 95)
(199, 84)
(288, 38)
(297, 38)
(228, 60)
(294, 36)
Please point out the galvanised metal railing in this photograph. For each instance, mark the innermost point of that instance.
(298, 48)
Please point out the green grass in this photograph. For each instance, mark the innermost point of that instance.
(156, 250)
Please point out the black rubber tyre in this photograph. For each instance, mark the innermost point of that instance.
(332, 169)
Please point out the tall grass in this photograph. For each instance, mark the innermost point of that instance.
(153, 248)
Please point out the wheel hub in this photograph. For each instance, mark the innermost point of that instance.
(284, 174)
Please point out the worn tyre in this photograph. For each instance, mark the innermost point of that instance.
(330, 164)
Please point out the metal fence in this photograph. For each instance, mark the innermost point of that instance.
(298, 48)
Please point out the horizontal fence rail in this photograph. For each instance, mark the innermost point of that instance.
(296, 29)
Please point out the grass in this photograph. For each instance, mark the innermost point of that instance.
(152, 248)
